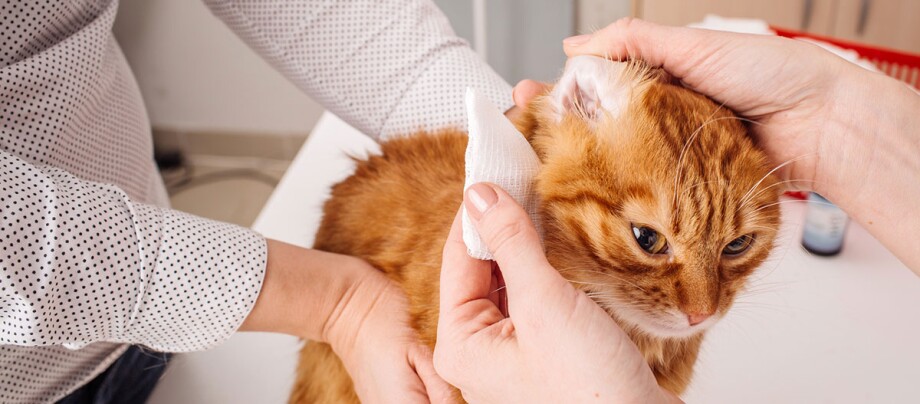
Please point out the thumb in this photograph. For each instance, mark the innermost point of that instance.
(513, 241)
(526, 90)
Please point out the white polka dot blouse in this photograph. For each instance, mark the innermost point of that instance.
(92, 257)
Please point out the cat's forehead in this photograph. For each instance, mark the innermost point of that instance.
(686, 122)
(673, 132)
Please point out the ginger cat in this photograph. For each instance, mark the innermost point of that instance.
(654, 201)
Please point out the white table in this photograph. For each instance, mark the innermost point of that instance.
(813, 330)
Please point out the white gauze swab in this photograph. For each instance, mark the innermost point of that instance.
(498, 153)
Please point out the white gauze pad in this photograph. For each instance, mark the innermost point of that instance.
(498, 153)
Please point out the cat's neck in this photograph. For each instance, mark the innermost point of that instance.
(663, 351)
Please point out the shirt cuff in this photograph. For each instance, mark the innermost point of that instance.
(205, 279)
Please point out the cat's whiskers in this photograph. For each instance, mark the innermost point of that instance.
(608, 305)
(595, 272)
(808, 253)
(779, 183)
(603, 284)
(791, 201)
(750, 121)
(599, 296)
(744, 199)
(743, 306)
(590, 272)
(768, 228)
(755, 285)
(762, 287)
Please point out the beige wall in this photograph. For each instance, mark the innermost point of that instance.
(196, 75)
(595, 14)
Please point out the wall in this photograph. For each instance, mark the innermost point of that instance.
(595, 14)
(196, 75)
(524, 36)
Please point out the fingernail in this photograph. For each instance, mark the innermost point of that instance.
(576, 40)
(479, 198)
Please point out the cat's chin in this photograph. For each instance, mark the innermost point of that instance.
(669, 328)
(657, 329)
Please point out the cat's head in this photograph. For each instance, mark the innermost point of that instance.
(654, 199)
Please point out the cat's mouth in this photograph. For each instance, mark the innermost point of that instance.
(663, 324)
(674, 325)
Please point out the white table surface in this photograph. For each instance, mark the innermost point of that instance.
(812, 330)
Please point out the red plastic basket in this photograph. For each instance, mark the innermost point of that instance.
(900, 65)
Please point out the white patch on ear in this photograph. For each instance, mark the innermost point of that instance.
(590, 86)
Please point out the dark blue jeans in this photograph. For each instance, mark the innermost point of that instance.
(130, 379)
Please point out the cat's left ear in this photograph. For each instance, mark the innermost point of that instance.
(592, 88)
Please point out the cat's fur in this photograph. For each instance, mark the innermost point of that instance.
(660, 156)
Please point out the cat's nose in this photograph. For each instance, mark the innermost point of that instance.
(696, 318)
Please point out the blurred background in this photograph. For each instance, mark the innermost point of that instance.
(226, 124)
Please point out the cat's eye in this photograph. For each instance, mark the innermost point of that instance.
(650, 240)
(738, 245)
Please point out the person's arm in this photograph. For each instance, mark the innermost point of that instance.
(850, 134)
(385, 67)
(82, 263)
(871, 159)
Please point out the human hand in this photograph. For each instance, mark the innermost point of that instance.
(556, 345)
(783, 85)
(370, 332)
(350, 305)
(791, 88)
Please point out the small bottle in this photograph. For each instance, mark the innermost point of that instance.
(825, 227)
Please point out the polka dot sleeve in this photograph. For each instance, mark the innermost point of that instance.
(82, 263)
(386, 67)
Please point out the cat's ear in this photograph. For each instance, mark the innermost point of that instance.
(592, 88)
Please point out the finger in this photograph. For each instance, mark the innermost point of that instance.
(438, 390)
(676, 49)
(463, 278)
(513, 241)
(526, 90)
(397, 380)
(414, 394)
(465, 308)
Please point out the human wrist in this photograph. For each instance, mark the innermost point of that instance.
(872, 125)
(367, 289)
(301, 290)
(869, 164)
